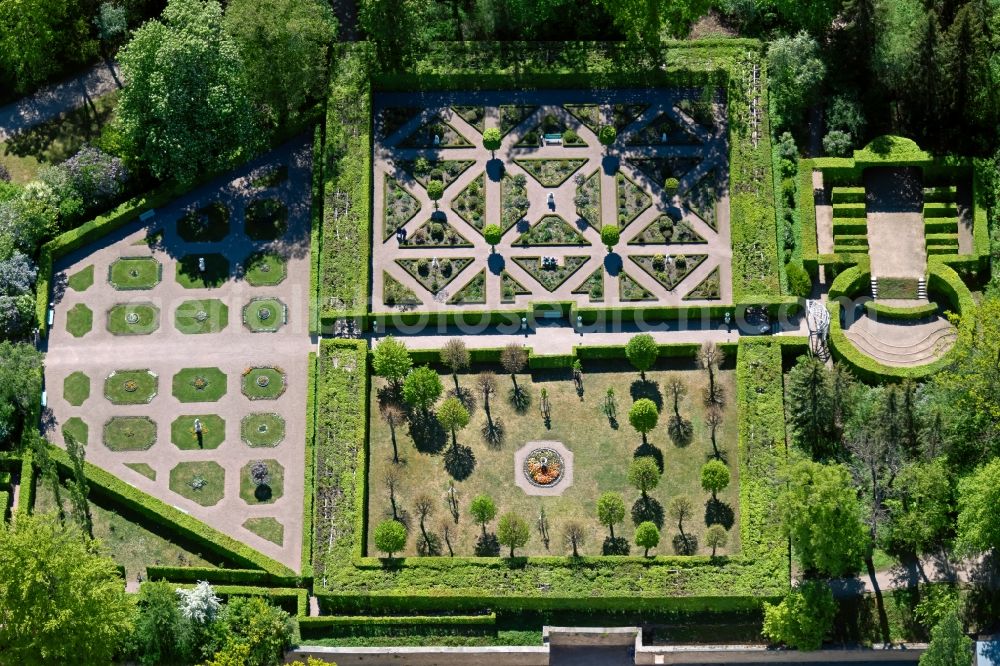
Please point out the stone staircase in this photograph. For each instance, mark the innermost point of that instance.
(922, 289)
(902, 344)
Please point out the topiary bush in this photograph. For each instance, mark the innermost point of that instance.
(799, 282)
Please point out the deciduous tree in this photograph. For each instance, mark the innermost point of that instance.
(513, 531)
(186, 108)
(61, 600)
(421, 388)
(804, 618)
(642, 352)
(643, 416)
(647, 536)
(821, 514)
(391, 360)
(390, 537)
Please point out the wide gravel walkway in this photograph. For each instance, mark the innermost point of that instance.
(167, 351)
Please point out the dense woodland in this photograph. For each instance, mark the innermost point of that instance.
(911, 469)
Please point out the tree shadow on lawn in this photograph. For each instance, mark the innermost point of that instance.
(459, 461)
(652, 451)
(718, 512)
(487, 545)
(647, 388)
(685, 544)
(466, 397)
(428, 434)
(647, 509)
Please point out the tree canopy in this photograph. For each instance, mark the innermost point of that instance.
(186, 109)
(284, 46)
(61, 599)
(821, 513)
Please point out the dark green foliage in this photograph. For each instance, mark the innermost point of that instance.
(804, 618)
(811, 407)
(160, 630)
(187, 107)
(799, 282)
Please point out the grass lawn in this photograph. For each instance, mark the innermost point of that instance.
(79, 320)
(264, 315)
(265, 493)
(199, 384)
(262, 429)
(213, 431)
(82, 279)
(208, 224)
(133, 319)
(129, 433)
(77, 428)
(56, 140)
(602, 453)
(131, 387)
(143, 469)
(202, 482)
(265, 269)
(266, 528)
(124, 537)
(208, 316)
(266, 219)
(131, 273)
(76, 388)
(263, 383)
(190, 276)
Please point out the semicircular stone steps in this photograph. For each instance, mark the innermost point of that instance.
(902, 344)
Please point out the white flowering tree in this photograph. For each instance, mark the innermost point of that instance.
(199, 604)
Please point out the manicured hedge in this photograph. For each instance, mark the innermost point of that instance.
(316, 229)
(880, 310)
(4, 503)
(295, 601)
(362, 625)
(165, 516)
(753, 217)
(341, 451)
(344, 283)
(980, 222)
(458, 601)
(26, 491)
(806, 205)
(218, 576)
(442, 584)
(310, 470)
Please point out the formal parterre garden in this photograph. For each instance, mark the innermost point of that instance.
(489, 489)
(553, 184)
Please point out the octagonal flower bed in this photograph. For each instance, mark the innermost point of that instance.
(133, 319)
(263, 383)
(544, 467)
(262, 429)
(185, 435)
(264, 315)
(203, 482)
(199, 384)
(129, 433)
(265, 269)
(262, 481)
(131, 387)
(129, 273)
(207, 316)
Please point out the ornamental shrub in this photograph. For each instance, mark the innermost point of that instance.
(610, 234)
(390, 537)
(607, 135)
(491, 139)
(671, 184)
(647, 536)
(804, 618)
(493, 233)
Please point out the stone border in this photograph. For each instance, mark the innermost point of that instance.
(156, 388)
(159, 273)
(525, 484)
(280, 371)
(268, 329)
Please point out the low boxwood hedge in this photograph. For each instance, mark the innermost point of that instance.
(806, 205)
(880, 310)
(310, 471)
(219, 576)
(363, 625)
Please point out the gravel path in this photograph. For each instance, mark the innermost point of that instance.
(167, 350)
(58, 98)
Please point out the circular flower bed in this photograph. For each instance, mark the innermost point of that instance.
(132, 318)
(543, 467)
(130, 385)
(264, 313)
(263, 381)
(199, 383)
